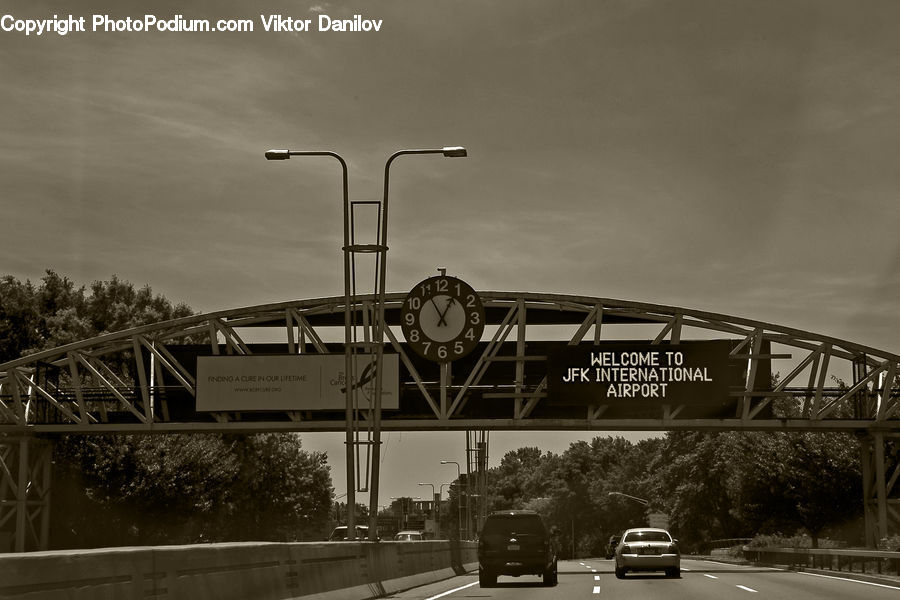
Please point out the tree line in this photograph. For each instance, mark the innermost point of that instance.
(112, 490)
(711, 485)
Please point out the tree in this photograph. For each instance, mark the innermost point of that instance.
(133, 489)
(20, 319)
(281, 491)
(519, 478)
(57, 312)
(119, 489)
(823, 481)
(737, 484)
(696, 475)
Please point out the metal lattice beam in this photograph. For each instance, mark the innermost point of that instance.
(139, 372)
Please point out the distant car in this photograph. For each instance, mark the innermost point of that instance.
(647, 549)
(611, 546)
(409, 536)
(339, 533)
(516, 542)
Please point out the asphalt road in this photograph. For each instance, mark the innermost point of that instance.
(593, 579)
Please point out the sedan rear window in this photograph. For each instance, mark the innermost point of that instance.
(647, 536)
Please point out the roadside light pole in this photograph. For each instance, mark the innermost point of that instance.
(434, 513)
(441, 504)
(378, 326)
(635, 498)
(458, 496)
(348, 338)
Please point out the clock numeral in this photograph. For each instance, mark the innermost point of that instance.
(425, 289)
(441, 285)
(470, 334)
(427, 346)
(409, 318)
(442, 351)
(474, 317)
(414, 335)
(458, 347)
(470, 301)
(415, 303)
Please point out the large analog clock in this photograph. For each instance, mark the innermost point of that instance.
(442, 318)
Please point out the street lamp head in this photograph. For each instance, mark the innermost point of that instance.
(278, 154)
(454, 151)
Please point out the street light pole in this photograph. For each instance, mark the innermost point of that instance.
(441, 502)
(458, 495)
(635, 498)
(348, 357)
(378, 330)
(433, 503)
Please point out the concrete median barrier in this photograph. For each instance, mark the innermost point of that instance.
(261, 571)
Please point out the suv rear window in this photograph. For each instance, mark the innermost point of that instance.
(506, 524)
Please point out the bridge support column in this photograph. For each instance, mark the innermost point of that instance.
(876, 489)
(25, 463)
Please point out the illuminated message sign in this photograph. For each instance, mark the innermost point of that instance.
(613, 372)
(290, 382)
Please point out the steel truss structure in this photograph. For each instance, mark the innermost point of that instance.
(143, 380)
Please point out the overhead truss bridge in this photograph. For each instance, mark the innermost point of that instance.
(144, 380)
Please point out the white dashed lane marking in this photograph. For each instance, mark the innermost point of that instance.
(745, 588)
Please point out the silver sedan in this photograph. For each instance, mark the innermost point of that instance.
(648, 549)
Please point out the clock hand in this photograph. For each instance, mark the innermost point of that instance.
(446, 309)
(440, 315)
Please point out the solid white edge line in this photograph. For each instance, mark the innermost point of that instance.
(744, 587)
(890, 587)
(448, 592)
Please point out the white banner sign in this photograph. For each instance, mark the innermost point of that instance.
(290, 382)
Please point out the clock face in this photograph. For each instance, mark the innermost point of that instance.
(442, 318)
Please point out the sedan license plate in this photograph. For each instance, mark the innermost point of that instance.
(648, 551)
(513, 548)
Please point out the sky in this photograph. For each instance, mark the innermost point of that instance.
(732, 156)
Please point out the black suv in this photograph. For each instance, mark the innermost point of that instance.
(516, 542)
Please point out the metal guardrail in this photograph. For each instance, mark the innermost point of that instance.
(727, 543)
(880, 562)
